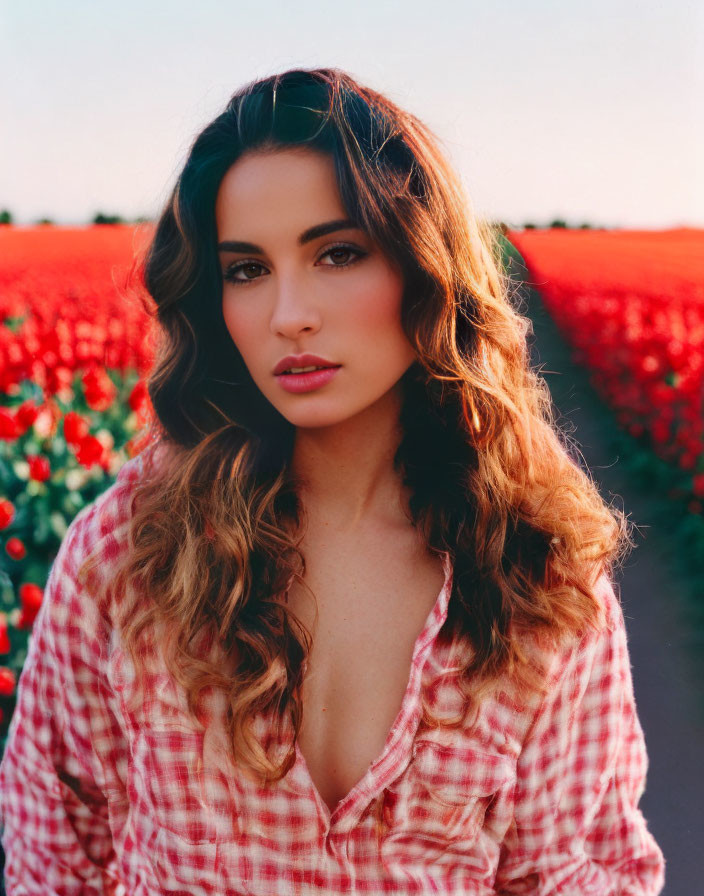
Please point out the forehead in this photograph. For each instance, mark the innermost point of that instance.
(284, 185)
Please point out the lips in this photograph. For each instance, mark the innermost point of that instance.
(306, 360)
(306, 368)
(307, 382)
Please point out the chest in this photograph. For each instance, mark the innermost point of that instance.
(372, 605)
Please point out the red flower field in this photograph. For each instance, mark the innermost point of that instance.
(71, 289)
(631, 304)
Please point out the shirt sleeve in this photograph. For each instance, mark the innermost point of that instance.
(53, 810)
(577, 828)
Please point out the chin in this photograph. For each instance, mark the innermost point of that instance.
(313, 421)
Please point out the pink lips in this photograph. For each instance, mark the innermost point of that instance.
(304, 360)
(306, 382)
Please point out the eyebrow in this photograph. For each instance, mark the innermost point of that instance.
(312, 233)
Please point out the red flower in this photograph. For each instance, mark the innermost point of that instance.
(8, 425)
(661, 431)
(90, 451)
(4, 639)
(650, 364)
(137, 395)
(39, 468)
(7, 682)
(140, 402)
(59, 378)
(698, 485)
(31, 600)
(15, 548)
(7, 513)
(99, 389)
(26, 414)
(75, 428)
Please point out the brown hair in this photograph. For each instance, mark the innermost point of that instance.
(214, 537)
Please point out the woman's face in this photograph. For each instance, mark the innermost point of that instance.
(298, 278)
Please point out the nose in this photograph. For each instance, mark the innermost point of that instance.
(295, 311)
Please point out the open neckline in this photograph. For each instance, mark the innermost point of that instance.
(407, 714)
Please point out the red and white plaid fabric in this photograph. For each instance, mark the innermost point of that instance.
(530, 799)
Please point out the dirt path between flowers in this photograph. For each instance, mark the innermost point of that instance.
(665, 648)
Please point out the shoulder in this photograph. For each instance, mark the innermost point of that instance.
(100, 524)
(581, 654)
(592, 663)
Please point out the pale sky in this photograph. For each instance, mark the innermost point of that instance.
(548, 108)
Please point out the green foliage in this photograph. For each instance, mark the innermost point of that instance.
(508, 251)
(101, 218)
(15, 323)
(5, 216)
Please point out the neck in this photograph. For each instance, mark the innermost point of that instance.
(347, 472)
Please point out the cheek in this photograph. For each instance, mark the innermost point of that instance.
(377, 321)
(378, 306)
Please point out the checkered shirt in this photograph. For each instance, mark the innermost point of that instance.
(536, 796)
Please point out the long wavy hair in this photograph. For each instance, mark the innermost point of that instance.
(215, 533)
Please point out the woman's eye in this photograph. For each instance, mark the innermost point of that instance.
(340, 255)
(246, 267)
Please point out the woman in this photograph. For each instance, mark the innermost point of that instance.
(347, 624)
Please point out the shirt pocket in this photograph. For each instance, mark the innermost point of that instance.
(182, 867)
(185, 866)
(445, 795)
(190, 847)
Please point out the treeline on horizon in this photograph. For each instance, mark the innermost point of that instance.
(101, 218)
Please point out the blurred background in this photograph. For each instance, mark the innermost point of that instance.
(577, 130)
(550, 110)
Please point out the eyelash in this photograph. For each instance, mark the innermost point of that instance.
(232, 270)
